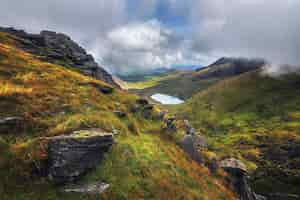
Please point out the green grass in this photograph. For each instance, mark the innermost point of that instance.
(254, 118)
(139, 165)
(54, 100)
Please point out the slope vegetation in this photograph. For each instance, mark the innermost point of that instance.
(53, 100)
(253, 117)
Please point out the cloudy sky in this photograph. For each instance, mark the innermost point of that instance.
(131, 35)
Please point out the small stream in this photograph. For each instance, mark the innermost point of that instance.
(166, 99)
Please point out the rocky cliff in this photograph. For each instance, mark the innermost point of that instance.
(60, 49)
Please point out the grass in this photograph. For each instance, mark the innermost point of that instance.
(148, 163)
(55, 100)
(256, 119)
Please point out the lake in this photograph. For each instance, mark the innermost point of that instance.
(166, 99)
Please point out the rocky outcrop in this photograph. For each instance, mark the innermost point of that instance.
(60, 49)
(238, 179)
(192, 143)
(71, 156)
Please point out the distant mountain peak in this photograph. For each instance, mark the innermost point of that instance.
(229, 66)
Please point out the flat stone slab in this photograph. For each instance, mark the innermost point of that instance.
(93, 189)
(233, 164)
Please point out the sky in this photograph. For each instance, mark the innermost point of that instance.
(126, 36)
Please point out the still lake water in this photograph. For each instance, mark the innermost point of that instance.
(166, 99)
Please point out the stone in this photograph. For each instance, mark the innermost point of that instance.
(10, 123)
(102, 88)
(160, 115)
(192, 144)
(142, 102)
(238, 179)
(10, 120)
(72, 156)
(120, 113)
(170, 125)
(188, 128)
(90, 189)
(234, 165)
(147, 111)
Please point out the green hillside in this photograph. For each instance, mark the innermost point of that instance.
(179, 84)
(256, 118)
(54, 100)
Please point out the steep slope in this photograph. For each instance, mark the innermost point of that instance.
(185, 84)
(49, 99)
(59, 49)
(253, 117)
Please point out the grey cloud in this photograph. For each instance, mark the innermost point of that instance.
(143, 45)
(243, 28)
(268, 28)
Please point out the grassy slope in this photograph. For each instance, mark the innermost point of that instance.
(255, 118)
(54, 100)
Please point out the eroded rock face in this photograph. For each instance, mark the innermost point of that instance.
(238, 179)
(60, 48)
(72, 156)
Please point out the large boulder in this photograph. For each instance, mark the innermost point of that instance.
(238, 179)
(71, 156)
(192, 145)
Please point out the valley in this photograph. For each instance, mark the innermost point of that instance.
(70, 131)
(248, 115)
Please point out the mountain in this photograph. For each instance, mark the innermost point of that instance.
(226, 67)
(191, 82)
(60, 49)
(65, 135)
